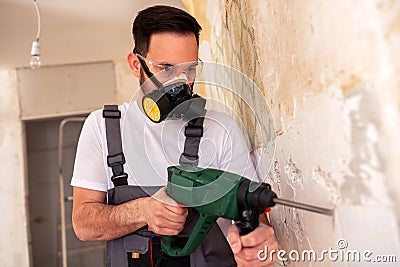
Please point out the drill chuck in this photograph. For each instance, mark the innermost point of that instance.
(262, 197)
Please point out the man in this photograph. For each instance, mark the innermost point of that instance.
(164, 37)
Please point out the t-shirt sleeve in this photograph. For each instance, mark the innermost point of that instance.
(235, 156)
(89, 171)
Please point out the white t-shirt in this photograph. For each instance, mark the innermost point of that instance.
(150, 148)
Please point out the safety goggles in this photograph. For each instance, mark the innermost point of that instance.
(166, 71)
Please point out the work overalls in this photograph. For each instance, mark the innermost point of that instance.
(142, 247)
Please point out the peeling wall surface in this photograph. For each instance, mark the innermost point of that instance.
(328, 72)
(13, 237)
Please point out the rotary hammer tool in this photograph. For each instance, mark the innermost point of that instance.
(217, 193)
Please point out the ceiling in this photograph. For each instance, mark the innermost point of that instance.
(73, 31)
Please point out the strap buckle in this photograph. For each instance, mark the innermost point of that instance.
(121, 179)
(115, 159)
(193, 131)
(112, 114)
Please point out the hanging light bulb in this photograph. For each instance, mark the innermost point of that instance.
(35, 61)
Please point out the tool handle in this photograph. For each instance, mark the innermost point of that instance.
(249, 221)
(202, 227)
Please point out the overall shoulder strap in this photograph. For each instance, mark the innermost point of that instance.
(193, 134)
(115, 158)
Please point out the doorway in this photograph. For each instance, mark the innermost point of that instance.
(42, 143)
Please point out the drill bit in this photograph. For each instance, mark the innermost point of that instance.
(303, 206)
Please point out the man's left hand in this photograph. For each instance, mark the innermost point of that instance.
(246, 248)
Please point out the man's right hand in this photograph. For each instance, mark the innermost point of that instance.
(94, 220)
(163, 215)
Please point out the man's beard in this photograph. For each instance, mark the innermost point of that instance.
(146, 85)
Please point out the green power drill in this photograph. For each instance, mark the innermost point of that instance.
(217, 193)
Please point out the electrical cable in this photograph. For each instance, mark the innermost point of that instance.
(35, 61)
(39, 24)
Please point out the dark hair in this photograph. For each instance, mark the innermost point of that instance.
(159, 19)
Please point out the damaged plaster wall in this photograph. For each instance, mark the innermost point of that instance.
(14, 250)
(328, 71)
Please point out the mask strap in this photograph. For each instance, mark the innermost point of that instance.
(149, 74)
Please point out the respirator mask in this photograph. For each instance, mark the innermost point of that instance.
(174, 98)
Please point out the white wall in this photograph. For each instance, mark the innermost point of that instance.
(126, 83)
(13, 238)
